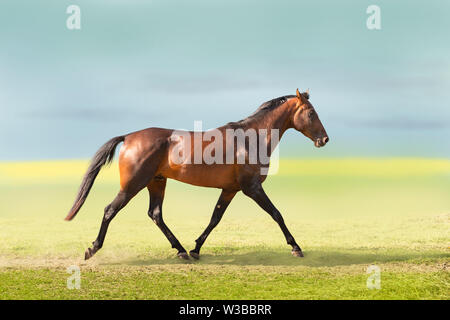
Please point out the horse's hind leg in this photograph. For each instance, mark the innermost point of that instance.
(156, 189)
(111, 210)
(132, 187)
(221, 205)
(134, 176)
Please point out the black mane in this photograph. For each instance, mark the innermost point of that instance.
(273, 104)
(263, 109)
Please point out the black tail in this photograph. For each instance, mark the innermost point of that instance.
(103, 156)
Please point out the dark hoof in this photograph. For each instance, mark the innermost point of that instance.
(183, 255)
(297, 253)
(88, 253)
(194, 254)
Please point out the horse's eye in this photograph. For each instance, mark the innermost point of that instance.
(311, 114)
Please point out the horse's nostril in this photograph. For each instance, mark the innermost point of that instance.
(325, 139)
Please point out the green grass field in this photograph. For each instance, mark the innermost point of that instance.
(346, 214)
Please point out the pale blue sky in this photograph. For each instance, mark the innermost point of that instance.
(137, 64)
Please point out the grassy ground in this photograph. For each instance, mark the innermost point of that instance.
(346, 214)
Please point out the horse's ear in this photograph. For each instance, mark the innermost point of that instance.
(298, 94)
(306, 94)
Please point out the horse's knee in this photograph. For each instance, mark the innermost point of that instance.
(276, 215)
(214, 222)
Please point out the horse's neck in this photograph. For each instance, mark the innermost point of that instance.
(278, 119)
(276, 123)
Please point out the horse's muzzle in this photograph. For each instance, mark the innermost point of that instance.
(320, 142)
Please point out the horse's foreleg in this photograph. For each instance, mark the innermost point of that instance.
(256, 192)
(156, 189)
(222, 204)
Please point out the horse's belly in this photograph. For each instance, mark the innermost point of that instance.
(215, 176)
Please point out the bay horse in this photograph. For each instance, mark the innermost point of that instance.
(146, 159)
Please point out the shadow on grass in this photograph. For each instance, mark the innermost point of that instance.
(313, 258)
